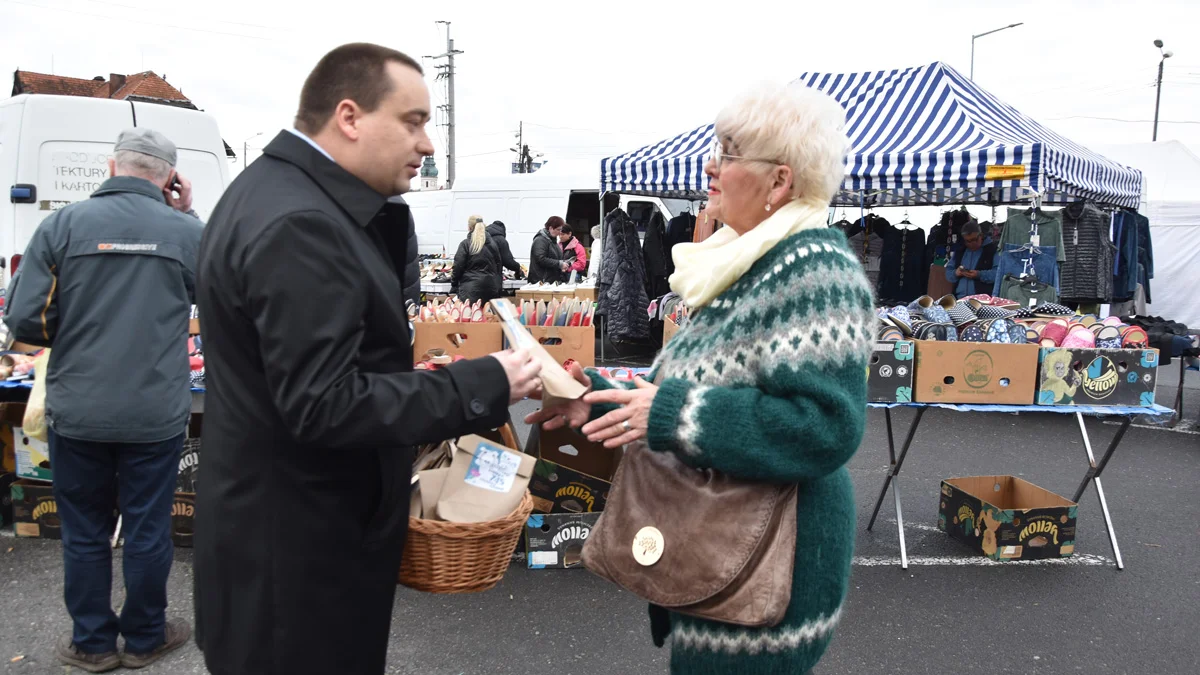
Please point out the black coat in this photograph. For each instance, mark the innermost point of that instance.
(545, 259)
(500, 235)
(657, 260)
(412, 267)
(621, 297)
(477, 275)
(312, 411)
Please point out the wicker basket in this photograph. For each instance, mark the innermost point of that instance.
(441, 557)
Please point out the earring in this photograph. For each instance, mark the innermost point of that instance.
(768, 206)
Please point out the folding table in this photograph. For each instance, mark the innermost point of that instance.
(1079, 411)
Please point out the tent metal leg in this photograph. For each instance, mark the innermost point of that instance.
(1093, 474)
(892, 477)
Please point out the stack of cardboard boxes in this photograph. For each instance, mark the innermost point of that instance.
(34, 512)
(924, 371)
(570, 485)
(28, 490)
(1005, 517)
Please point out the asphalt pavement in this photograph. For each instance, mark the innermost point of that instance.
(950, 612)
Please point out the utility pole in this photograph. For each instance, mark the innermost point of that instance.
(524, 156)
(446, 72)
(520, 149)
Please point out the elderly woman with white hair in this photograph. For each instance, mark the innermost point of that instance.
(767, 381)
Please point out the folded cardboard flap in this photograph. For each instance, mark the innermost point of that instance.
(485, 482)
(568, 448)
(1009, 492)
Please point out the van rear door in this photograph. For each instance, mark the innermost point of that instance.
(202, 158)
(64, 146)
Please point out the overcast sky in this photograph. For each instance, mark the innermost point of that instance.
(595, 79)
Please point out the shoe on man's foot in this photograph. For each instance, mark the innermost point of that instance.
(69, 654)
(178, 632)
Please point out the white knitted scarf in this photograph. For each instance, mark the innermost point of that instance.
(704, 270)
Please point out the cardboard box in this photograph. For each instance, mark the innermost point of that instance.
(6, 510)
(189, 466)
(475, 340)
(559, 489)
(566, 342)
(8, 451)
(1097, 376)
(35, 513)
(193, 326)
(189, 457)
(975, 372)
(670, 328)
(1007, 518)
(555, 541)
(183, 519)
(33, 457)
(574, 451)
(890, 372)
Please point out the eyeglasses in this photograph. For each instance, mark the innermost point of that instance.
(718, 155)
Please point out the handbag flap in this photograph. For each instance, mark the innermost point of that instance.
(711, 526)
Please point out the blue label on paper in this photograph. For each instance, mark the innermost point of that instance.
(493, 468)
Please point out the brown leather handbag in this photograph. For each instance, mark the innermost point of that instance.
(697, 542)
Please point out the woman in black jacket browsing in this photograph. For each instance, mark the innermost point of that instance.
(477, 265)
(547, 262)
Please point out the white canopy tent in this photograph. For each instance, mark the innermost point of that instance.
(1171, 200)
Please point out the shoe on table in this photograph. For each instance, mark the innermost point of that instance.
(178, 632)
(69, 654)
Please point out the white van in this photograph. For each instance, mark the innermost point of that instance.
(523, 202)
(54, 151)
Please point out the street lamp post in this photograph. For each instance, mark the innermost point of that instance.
(975, 37)
(246, 147)
(1158, 94)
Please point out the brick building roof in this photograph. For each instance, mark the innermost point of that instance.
(147, 85)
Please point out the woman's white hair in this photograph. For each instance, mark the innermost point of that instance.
(795, 125)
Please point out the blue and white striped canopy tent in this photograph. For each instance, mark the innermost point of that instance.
(918, 136)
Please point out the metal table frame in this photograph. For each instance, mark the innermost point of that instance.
(1095, 469)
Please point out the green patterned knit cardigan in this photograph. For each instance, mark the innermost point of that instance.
(769, 383)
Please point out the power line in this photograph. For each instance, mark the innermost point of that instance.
(593, 131)
(482, 154)
(139, 21)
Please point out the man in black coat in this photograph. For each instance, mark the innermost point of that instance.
(547, 262)
(499, 234)
(412, 266)
(312, 407)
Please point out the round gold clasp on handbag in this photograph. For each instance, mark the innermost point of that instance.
(648, 546)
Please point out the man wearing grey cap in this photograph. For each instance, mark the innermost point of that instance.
(108, 283)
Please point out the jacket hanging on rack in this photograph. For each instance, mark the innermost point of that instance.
(903, 277)
(681, 229)
(1039, 262)
(1019, 227)
(1125, 266)
(621, 296)
(658, 262)
(867, 244)
(1087, 274)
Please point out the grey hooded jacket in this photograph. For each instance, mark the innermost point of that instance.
(108, 283)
